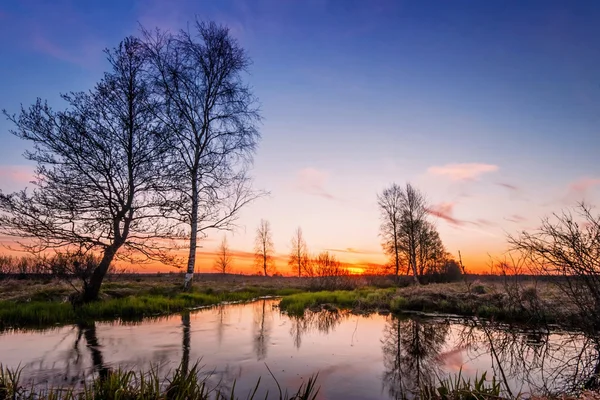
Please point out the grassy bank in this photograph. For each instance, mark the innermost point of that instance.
(40, 303)
(531, 305)
(131, 307)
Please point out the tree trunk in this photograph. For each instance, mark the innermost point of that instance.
(187, 284)
(413, 262)
(92, 289)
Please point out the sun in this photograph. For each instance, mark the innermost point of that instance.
(355, 270)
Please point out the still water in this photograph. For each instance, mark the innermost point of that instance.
(357, 357)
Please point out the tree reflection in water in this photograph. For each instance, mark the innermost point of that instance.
(411, 349)
(262, 323)
(544, 361)
(322, 321)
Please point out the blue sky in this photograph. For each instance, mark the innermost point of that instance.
(491, 108)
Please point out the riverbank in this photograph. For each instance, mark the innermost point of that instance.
(540, 305)
(43, 303)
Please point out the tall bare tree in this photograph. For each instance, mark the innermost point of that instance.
(224, 261)
(390, 203)
(97, 170)
(264, 247)
(211, 118)
(299, 257)
(413, 217)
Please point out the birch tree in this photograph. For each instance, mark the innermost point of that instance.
(211, 117)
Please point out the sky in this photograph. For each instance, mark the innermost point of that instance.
(491, 108)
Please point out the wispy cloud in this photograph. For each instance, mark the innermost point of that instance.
(516, 218)
(509, 186)
(464, 171)
(351, 250)
(86, 53)
(445, 211)
(312, 181)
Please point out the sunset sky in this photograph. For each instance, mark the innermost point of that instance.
(491, 108)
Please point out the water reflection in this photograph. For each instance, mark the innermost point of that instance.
(262, 328)
(362, 356)
(543, 360)
(323, 321)
(411, 349)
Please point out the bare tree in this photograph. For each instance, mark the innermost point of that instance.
(329, 273)
(569, 251)
(390, 203)
(211, 117)
(299, 258)
(403, 225)
(224, 261)
(414, 213)
(264, 247)
(97, 170)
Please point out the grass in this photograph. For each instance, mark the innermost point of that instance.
(487, 302)
(133, 307)
(183, 384)
(191, 383)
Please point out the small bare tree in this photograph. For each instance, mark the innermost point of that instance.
(224, 261)
(569, 251)
(211, 120)
(329, 273)
(299, 258)
(264, 247)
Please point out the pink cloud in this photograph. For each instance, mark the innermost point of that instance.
(16, 174)
(583, 184)
(462, 171)
(84, 54)
(312, 181)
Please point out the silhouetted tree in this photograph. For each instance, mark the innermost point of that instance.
(98, 170)
(403, 215)
(414, 213)
(264, 248)
(210, 116)
(431, 253)
(299, 258)
(224, 262)
(328, 271)
(563, 247)
(390, 203)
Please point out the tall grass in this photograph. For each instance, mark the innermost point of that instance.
(45, 313)
(192, 384)
(183, 384)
